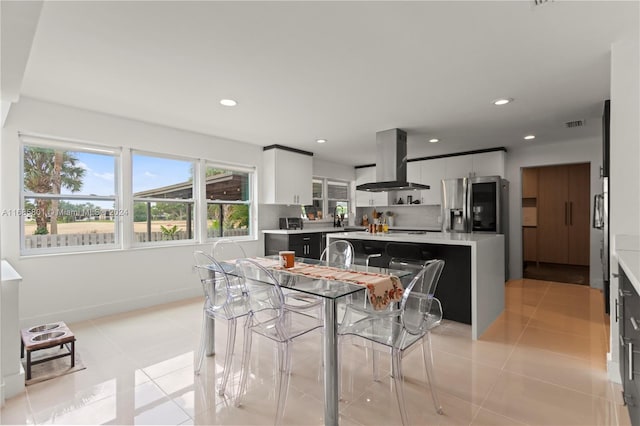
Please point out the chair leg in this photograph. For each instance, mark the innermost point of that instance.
(201, 346)
(398, 381)
(375, 356)
(246, 353)
(284, 364)
(228, 357)
(431, 377)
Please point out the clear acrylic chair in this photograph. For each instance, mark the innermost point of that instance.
(227, 249)
(400, 329)
(222, 301)
(415, 266)
(339, 253)
(276, 322)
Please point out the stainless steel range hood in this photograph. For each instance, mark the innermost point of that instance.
(391, 164)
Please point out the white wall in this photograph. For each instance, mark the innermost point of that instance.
(625, 138)
(572, 151)
(73, 287)
(624, 176)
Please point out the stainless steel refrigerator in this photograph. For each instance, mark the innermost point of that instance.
(476, 205)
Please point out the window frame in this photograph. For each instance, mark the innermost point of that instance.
(347, 185)
(48, 142)
(124, 200)
(327, 214)
(189, 201)
(251, 202)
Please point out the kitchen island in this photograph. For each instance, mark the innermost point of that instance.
(471, 288)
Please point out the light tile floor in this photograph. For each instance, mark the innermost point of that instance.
(541, 363)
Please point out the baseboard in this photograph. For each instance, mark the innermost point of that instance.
(14, 384)
(96, 311)
(613, 370)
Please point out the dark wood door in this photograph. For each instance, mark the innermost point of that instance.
(553, 211)
(579, 213)
(530, 244)
(530, 182)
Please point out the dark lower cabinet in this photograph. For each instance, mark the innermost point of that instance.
(629, 327)
(307, 245)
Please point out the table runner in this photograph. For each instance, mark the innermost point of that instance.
(382, 289)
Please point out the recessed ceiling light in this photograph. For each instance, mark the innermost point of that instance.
(434, 140)
(321, 140)
(529, 137)
(502, 101)
(228, 102)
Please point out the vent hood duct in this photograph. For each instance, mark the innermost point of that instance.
(391, 164)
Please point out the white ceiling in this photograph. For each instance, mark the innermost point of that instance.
(340, 71)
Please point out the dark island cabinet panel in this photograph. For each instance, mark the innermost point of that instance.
(454, 287)
(630, 347)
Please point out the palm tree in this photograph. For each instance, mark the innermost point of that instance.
(47, 171)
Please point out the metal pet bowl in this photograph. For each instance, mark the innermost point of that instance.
(48, 336)
(43, 327)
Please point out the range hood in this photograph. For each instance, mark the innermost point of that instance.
(391, 164)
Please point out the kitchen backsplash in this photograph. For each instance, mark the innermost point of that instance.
(414, 215)
(418, 216)
(270, 213)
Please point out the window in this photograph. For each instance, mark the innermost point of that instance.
(163, 201)
(329, 196)
(228, 194)
(338, 199)
(315, 211)
(69, 196)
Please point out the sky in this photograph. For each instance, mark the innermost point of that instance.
(148, 173)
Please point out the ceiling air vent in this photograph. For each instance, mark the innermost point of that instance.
(575, 123)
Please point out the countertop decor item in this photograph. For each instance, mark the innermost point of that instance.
(390, 218)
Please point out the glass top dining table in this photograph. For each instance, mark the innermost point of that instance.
(321, 287)
(330, 290)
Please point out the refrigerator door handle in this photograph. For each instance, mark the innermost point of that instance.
(598, 217)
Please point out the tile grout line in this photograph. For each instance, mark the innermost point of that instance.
(561, 386)
(50, 409)
(502, 368)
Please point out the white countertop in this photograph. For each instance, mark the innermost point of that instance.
(629, 261)
(628, 254)
(309, 230)
(428, 238)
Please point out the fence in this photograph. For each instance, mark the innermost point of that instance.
(94, 239)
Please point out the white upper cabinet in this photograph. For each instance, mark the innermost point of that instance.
(432, 171)
(457, 166)
(471, 165)
(488, 163)
(287, 177)
(366, 198)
